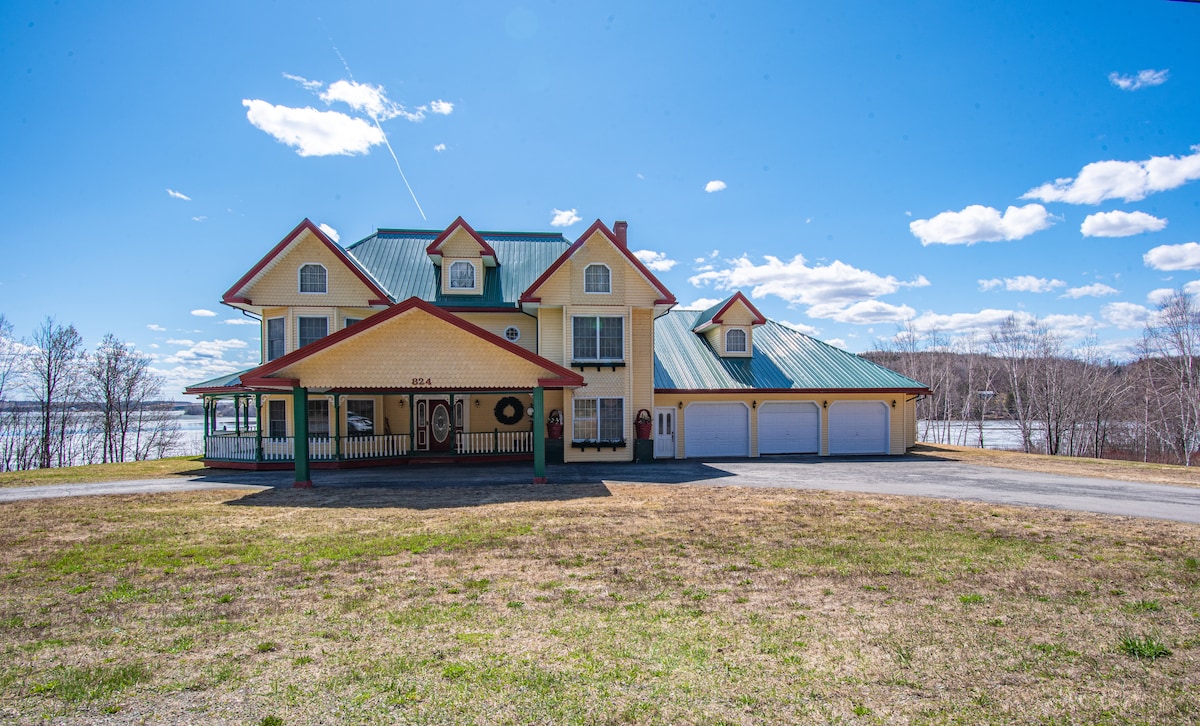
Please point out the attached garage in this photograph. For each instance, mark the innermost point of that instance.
(716, 429)
(858, 427)
(789, 427)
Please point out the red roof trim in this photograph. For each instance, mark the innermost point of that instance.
(690, 391)
(759, 319)
(435, 247)
(232, 295)
(598, 226)
(259, 376)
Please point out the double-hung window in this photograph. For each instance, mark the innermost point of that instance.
(598, 338)
(318, 418)
(312, 330)
(360, 417)
(277, 419)
(462, 275)
(313, 278)
(601, 420)
(275, 328)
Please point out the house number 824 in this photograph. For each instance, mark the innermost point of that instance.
(422, 382)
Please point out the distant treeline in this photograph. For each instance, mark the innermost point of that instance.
(1069, 401)
(78, 406)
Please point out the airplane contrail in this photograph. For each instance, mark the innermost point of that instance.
(386, 141)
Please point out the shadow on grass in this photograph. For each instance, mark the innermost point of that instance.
(436, 487)
(421, 498)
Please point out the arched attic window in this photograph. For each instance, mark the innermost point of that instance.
(462, 275)
(597, 278)
(735, 340)
(313, 278)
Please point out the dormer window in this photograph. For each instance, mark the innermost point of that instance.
(462, 275)
(735, 340)
(313, 279)
(597, 278)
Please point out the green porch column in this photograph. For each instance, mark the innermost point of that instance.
(300, 436)
(539, 436)
(258, 454)
(337, 427)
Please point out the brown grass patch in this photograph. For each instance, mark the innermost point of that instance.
(1066, 465)
(151, 469)
(625, 604)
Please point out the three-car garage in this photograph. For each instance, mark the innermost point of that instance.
(723, 429)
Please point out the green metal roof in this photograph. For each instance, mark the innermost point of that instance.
(226, 381)
(706, 317)
(397, 260)
(782, 358)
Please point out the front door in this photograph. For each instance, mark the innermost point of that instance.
(664, 433)
(441, 426)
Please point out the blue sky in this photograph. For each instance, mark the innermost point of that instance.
(849, 166)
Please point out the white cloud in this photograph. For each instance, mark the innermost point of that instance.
(1021, 283)
(202, 313)
(1128, 180)
(716, 185)
(178, 195)
(1143, 79)
(1192, 288)
(1096, 289)
(444, 108)
(200, 360)
(867, 312)
(656, 261)
(801, 327)
(701, 303)
(982, 322)
(201, 218)
(1070, 326)
(241, 321)
(440, 147)
(837, 343)
(1157, 297)
(1120, 224)
(1174, 257)
(312, 132)
(310, 85)
(977, 223)
(1126, 315)
(157, 328)
(563, 217)
(330, 232)
(835, 285)
(362, 97)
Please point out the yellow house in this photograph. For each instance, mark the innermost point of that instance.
(415, 346)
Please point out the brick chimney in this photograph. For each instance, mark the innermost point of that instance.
(621, 230)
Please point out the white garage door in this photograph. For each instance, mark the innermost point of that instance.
(791, 427)
(716, 429)
(858, 427)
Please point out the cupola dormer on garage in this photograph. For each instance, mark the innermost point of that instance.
(463, 257)
(729, 326)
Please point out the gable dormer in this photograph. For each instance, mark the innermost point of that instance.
(729, 326)
(306, 268)
(463, 257)
(598, 269)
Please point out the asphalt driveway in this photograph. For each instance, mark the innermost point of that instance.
(906, 475)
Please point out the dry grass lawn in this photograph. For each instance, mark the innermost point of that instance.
(181, 466)
(591, 604)
(1066, 465)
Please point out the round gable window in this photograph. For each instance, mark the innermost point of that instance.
(512, 333)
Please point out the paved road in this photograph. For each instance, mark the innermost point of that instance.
(909, 475)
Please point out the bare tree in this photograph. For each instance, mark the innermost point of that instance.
(1015, 344)
(1171, 344)
(52, 379)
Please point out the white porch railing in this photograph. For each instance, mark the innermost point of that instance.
(494, 442)
(233, 448)
(374, 447)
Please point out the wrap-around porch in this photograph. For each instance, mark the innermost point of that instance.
(370, 428)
